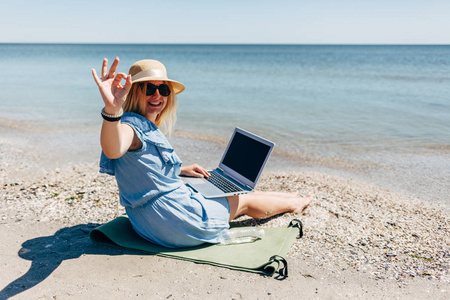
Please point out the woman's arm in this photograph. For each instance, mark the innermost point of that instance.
(115, 138)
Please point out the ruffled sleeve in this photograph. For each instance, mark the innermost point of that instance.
(149, 133)
(106, 165)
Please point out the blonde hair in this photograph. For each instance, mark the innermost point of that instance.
(166, 119)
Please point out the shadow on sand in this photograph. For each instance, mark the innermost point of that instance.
(48, 252)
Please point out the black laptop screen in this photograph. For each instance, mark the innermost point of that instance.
(246, 156)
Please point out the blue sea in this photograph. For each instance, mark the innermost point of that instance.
(381, 113)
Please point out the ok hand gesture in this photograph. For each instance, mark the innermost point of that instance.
(113, 94)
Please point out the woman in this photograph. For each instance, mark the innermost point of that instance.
(161, 208)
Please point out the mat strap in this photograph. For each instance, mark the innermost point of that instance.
(297, 223)
(284, 270)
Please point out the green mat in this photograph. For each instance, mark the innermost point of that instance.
(262, 256)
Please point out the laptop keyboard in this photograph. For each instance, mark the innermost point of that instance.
(223, 184)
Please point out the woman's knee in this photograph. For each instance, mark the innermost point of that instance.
(237, 206)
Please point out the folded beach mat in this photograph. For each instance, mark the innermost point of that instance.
(262, 256)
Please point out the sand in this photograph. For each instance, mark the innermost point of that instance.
(361, 240)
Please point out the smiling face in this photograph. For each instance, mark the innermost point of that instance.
(154, 104)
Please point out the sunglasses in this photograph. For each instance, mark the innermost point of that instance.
(163, 89)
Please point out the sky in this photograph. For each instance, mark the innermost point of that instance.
(226, 22)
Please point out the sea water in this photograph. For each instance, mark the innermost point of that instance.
(380, 111)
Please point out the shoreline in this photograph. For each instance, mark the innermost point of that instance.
(422, 176)
(360, 238)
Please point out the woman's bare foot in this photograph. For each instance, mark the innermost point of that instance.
(302, 203)
(297, 203)
(283, 194)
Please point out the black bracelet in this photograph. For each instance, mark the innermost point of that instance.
(110, 118)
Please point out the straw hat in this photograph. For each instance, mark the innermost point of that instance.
(149, 69)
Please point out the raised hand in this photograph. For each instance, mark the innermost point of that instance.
(113, 94)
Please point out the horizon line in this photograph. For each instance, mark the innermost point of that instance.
(225, 44)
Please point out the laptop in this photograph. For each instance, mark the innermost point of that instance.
(239, 169)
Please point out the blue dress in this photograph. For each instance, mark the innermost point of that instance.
(161, 208)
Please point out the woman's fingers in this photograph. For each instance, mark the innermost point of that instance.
(128, 83)
(105, 74)
(113, 68)
(206, 174)
(94, 74)
(194, 171)
(112, 71)
(104, 68)
(120, 92)
(200, 170)
(118, 79)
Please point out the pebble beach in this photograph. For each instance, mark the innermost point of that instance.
(393, 244)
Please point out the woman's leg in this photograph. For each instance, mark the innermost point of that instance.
(261, 205)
